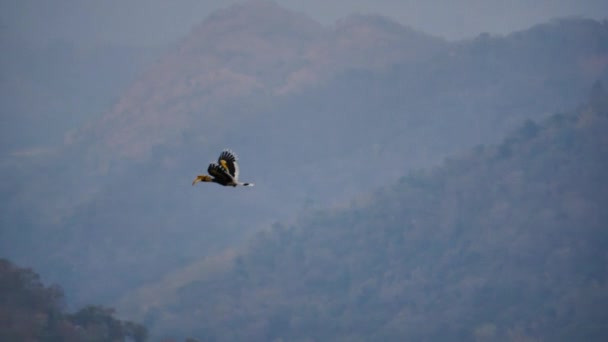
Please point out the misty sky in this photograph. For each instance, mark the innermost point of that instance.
(147, 22)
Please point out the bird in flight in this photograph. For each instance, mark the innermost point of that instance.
(225, 172)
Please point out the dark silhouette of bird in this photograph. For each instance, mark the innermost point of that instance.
(225, 172)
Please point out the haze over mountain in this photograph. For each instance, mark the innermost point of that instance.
(318, 114)
(47, 91)
(157, 22)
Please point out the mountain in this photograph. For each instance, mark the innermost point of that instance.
(504, 243)
(245, 53)
(317, 115)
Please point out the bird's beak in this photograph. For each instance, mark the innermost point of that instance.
(196, 180)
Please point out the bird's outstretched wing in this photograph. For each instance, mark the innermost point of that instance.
(219, 173)
(228, 160)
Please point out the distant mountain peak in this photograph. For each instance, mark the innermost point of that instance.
(376, 20)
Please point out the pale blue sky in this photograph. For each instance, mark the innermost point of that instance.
(145, 22)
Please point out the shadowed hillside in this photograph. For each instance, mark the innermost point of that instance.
(505, 243)
(317, 115)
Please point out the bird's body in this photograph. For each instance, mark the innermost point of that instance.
(225, 172)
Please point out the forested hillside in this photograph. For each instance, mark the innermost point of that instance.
(504, 243)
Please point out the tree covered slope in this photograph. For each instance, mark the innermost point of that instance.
(505, 243)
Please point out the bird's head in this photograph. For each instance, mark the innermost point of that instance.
(202, 178)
